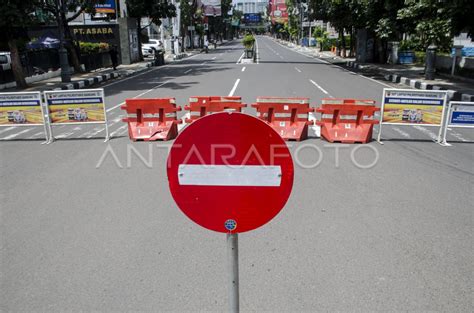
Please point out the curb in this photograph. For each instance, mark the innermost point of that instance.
(418, 84)
(88, 82)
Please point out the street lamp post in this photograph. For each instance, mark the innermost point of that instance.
(63, 59)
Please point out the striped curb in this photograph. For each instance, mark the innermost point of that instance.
(417, 84)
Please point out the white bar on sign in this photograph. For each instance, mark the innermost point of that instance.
(229, 175)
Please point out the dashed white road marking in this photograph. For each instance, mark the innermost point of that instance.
(6, 129)
(36, 135)
(231, 93)
(298, 70)
(458, 136)
(186, 72)
(401, 132)
(119, 130)
(324, 61)
(238, 61)
(243, 69)
(214, 58)
(203, 62)
(427, 132)
(96, 132)
(17, 134)
(64, 135)
(281, 57)
(320, 88)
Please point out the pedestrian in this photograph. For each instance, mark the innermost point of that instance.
(114, 56)
(206, 44)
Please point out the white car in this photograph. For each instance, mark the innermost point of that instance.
(154, 44)
(147, 52)
(5, 61)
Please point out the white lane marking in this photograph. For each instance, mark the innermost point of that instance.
(214, 58)
(231, 93)
(64, 135)
(401, 132)
(6, 129)
(458, 136)
(118, 130)
(256, 51)
(281, 57)
(115, 121)
(227, 175)
(324, 61)
(427, 132)
(36, 135)
(238, 61)
(146, 72)
(320, 88)
(186, 72)
(143, 93)
(243, 69)
(203, 62)
(298, 70)
(96, 132)
(16, 134)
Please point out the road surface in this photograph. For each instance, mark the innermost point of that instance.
(80, 232)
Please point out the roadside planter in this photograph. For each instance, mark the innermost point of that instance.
(249, 45)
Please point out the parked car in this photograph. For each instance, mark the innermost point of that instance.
(154, 44)
(5, 61)
(147, 52)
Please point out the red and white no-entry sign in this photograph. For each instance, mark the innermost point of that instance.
(230, 172)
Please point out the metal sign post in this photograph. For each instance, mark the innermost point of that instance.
(230, 173)
(233, 256)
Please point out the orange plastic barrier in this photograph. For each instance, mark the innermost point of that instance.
(204, 105)
(347, 120)
(151, 119)
(288, 116)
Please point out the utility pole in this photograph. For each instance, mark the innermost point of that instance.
(63, 59)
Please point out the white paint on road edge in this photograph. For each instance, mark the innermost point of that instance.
(320, 88)
(6, 129)
(231, 93)
(243, 69)
(324, 61)
(238, 61)
(16, 134)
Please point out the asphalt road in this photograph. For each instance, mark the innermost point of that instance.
(76, 236)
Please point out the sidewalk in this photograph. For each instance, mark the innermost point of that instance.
(82, 80)
(459, 88)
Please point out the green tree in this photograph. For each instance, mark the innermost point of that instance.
(15, 17)
(435, 21)
(65, 11)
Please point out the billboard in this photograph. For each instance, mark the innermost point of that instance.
(278, 12)
(210, 7)
(107, 7)
(252, 18)
(415, 107)
(79, 106)
(21, 108)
